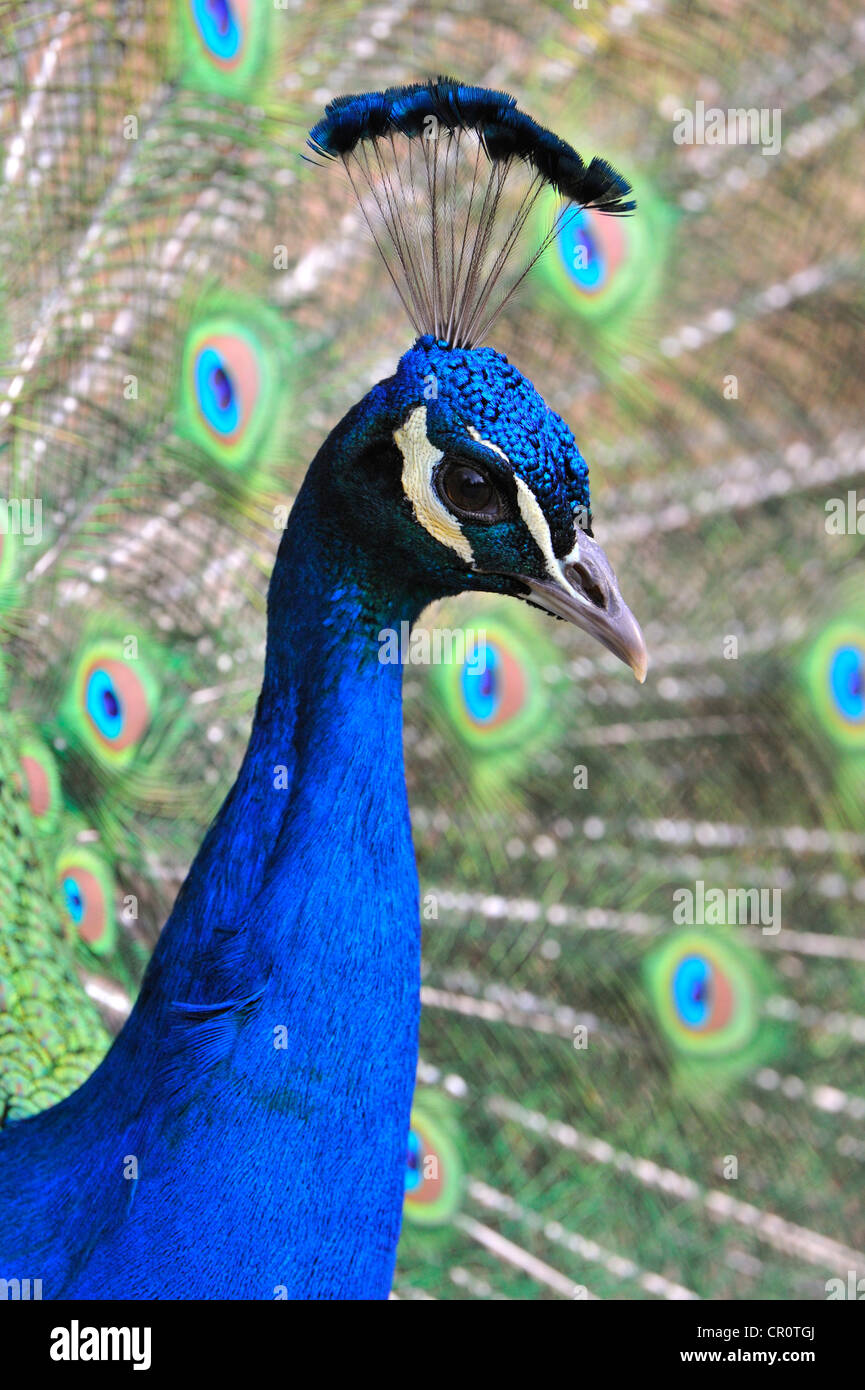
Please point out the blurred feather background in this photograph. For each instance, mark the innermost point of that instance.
(613, 1100)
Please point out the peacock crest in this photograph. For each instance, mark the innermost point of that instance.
(449, 179)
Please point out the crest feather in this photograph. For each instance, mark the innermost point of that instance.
(447, 176)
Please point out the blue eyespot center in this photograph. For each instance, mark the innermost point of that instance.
(692, 991)
(216, 394)
(847, 680)
(103, 704)
(482, 688)
(580, 253)
(413, 1162)
(218, 27)
(74, 899)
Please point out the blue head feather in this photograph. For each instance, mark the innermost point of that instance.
(478, 406)
(506, 132)
(480, 387)
(444, 231)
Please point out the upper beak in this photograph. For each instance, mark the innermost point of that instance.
(588, 595)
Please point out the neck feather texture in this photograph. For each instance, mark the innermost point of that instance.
(322, 782)
(268, 1066)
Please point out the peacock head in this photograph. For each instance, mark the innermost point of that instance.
(470, 480)
(474, 483)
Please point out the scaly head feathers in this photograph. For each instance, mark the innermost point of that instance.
(456, 473)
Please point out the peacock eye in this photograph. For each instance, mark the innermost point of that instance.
(467, 489)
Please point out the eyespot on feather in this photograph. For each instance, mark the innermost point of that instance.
(231, 404)
(494, 697)
(40, 782)
(111, 702)
(705, 996)
(834, 675)
(434, 1172)
(602, 268)
(225, 45)
(86, 890)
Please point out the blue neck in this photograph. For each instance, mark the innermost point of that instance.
(282, 1001)
(323, 772)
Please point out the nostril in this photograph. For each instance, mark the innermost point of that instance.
(589, 586)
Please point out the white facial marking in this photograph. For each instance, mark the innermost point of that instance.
(419, 458)
(573, 556)
(530, 510)
(488, 444)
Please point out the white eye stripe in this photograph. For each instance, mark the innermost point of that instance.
(419, 459)
(537, 524)
(488, 444)
(573, 555)
(533, 516)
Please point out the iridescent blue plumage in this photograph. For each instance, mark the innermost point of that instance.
(269, 1062)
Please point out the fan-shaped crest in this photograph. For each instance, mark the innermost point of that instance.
(447, 177)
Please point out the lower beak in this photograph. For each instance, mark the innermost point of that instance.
(588, 595)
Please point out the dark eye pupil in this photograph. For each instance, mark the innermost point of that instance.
(468, 489)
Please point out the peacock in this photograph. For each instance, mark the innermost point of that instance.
(640, 1048)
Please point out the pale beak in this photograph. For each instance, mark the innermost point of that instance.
(588, 595)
